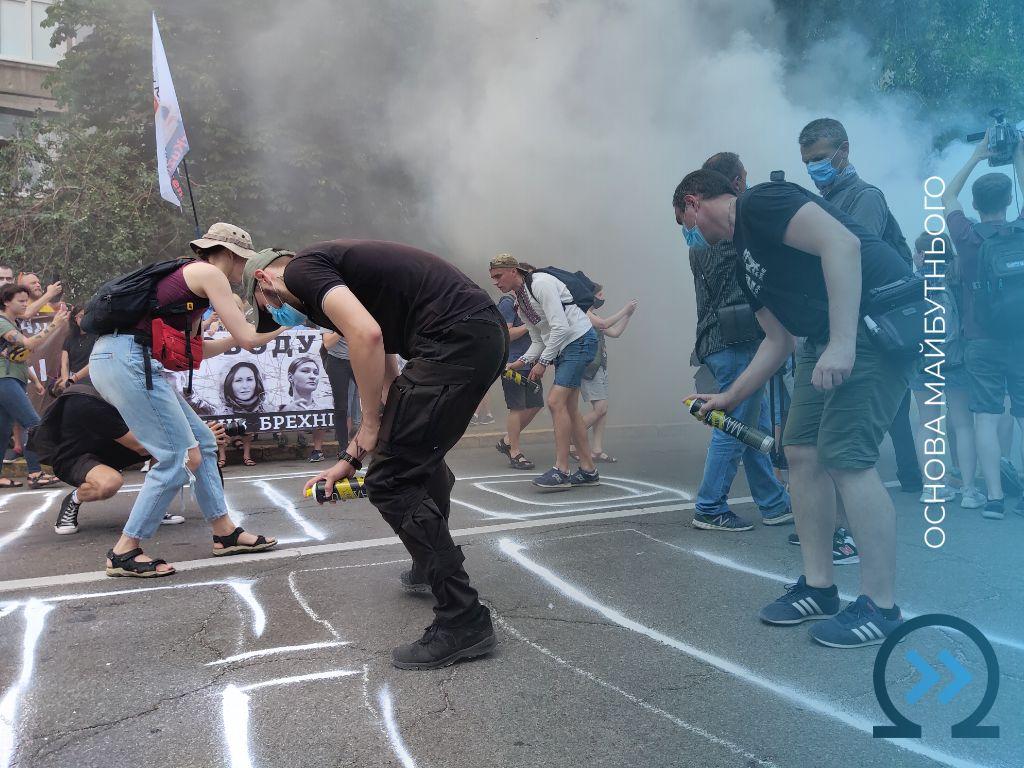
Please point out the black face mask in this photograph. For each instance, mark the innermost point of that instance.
(598, 303)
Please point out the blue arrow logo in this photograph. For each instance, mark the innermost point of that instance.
(930, 678)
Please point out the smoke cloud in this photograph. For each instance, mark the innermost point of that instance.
(557, 131)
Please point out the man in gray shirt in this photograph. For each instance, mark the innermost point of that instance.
(825, 149)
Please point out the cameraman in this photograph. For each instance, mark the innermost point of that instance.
(994, 356)
(804, 266)
(716, 287)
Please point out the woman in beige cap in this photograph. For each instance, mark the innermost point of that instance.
(180, 443)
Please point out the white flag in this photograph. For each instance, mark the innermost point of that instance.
(171, 142)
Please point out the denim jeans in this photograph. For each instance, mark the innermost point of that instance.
(575, 358)
(15, 408)
(165, 425)
(724, 452)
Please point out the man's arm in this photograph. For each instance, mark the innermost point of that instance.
(617, 328)
(550, 299)
(955, 186)
(34, 342)
(77, 376)
(52, 292)
(516, 331)
(366, 353)
(814, 231)
(603, 324)
(214, 347)
(777, 345)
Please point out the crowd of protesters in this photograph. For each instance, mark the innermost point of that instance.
(779, 339)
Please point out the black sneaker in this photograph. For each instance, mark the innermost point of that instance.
(994, 509)
(793, 539)
(582, 477)
(441, 646)
(844, 550)
(802, 603)
(67, 517)
(1010, 477)
(414, 581)
(316, 456)
(724, 521)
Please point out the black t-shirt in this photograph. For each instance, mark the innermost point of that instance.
(408, 292)
(79, 347)
(788, 281)
(90, 425)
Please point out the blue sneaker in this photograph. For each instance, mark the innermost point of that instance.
(582, 477)
(781, 517)
(723, 521)
(802, 603)
(554, 480)
(862, 623)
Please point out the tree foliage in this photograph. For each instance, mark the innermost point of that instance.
(78, 192)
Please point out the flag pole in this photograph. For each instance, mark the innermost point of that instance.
(188, 183)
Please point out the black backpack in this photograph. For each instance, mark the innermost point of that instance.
(999, 291)
(120, 304)
(582, 288)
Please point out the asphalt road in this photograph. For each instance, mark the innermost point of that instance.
(627, 638)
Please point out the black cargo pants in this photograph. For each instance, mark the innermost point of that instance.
(428, 410)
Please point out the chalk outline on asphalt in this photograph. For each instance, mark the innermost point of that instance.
(800, 699)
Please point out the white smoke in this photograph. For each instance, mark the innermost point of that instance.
(558, 131)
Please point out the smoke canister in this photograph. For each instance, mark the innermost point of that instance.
(517, 378)
(344, 490)
(745, 433)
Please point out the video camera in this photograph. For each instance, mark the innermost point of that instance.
(1002, 139)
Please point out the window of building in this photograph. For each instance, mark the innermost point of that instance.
(22, 35)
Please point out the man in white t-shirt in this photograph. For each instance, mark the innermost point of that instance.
(563, 336)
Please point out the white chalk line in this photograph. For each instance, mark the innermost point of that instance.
(644, 705)
(244, 589)
(726, 562)
(273, 652)
(35, 619)
(394, 735)
(290, 509)
(301, 600)
(7, 538)
(235, 711)
(350, 546)
(801, 699)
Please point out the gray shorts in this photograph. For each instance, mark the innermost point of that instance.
(595, 388)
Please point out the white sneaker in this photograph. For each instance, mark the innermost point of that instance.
(170, 519)
(972, 498)
(945, 493)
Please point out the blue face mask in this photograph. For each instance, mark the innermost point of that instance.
(286, 315)
(694, 237)
(822, 172)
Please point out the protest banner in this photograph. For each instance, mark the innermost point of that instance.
(279, 387)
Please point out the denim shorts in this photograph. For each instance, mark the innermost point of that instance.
(569, 365)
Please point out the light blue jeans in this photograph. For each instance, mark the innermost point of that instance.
(165, 425)
(725, 451)
(16, 408)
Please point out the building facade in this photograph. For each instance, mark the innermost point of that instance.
(26, 58)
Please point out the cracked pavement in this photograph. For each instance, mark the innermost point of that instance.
(124, 679)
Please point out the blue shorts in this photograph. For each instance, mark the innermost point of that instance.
(569, 365)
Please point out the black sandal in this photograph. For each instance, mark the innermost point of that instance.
(7, 482)
(504, 447)
(126, 565)
(230, 545)
(520, 462)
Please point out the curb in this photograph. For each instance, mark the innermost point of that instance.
(269, 452)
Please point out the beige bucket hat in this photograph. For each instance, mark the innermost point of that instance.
(223, 235)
